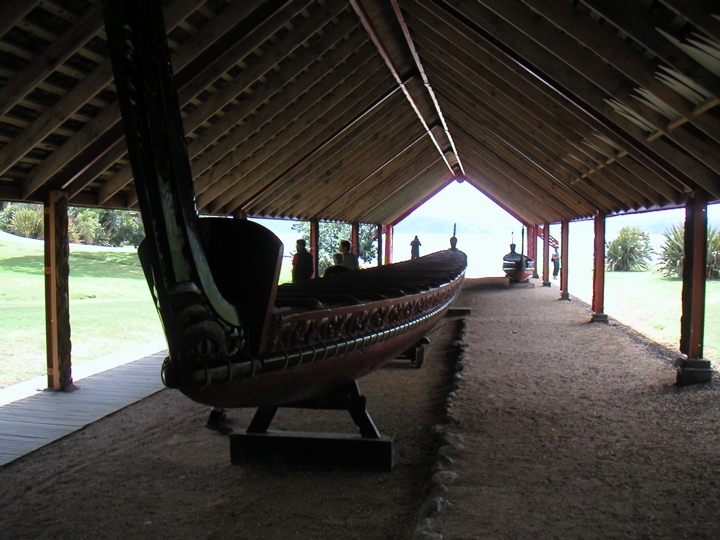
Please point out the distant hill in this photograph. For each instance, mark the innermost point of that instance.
(417, 224)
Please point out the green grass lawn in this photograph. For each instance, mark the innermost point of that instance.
(652, 306)
(111, 308)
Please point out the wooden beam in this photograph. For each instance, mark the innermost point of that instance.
(87, 145)
(56, 54)
(640, 23)
(585, 95)
(12, 12)
(265, 156)
(249, 115)
(628, 61)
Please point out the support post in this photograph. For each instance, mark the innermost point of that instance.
(532, 248)
(379, 245)
(546, 255)
(564, 251)
(355, 238)
(598, 298)
(57, 297)
(692, 367)
(315, 244)
(389, 229)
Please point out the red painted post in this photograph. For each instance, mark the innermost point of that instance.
(598, 299)
(315, 244)
(564, 250)
(532, 247)
(355, 238)
(692, 367)
(380, 245)
(389, 230)
(546, 255)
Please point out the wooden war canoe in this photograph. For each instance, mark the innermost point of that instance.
(235, 338)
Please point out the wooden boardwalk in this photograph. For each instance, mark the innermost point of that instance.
(32, 422)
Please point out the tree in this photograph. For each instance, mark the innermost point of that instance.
(630, 251)
(331, 233)
(672, 254)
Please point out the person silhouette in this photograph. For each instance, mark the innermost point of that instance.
(350, 260)
(415, 248)
(302, 264)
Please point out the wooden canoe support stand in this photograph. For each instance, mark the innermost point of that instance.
(367, 450)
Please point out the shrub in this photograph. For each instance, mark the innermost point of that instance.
(85, 225)
(23, 220)
(630, 251)
(672, 253)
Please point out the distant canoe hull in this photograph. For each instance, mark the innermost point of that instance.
(519, 276)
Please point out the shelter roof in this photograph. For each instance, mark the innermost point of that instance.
(360, 110)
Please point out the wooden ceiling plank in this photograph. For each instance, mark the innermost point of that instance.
(49, 121)
(304, 137)
(673, 161)
(628, 61)
(102, 123)
(283, 97)
(281, 49)
(698, 12)
(416, 188)
(499, 118)
(606, 79)
(620, 181)
(526, 106)
(641, 25)
(508, 144)
(494, 155)
(301, 137)
(374, 182)
(497, 154)
(56, 54)
(11, 13)
(337, 170)
(420, 102)
(264, 156)
(221, 97)
(332, 161)
(366, 197)
(243, 110)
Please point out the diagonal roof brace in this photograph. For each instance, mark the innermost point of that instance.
(416, 57)
(385, 54)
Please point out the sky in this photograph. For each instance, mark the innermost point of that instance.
(485, 230)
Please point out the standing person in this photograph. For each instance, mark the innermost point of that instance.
(415, 248)
(555, 259)
(350, 260)
(337, 267)
(302, 264)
